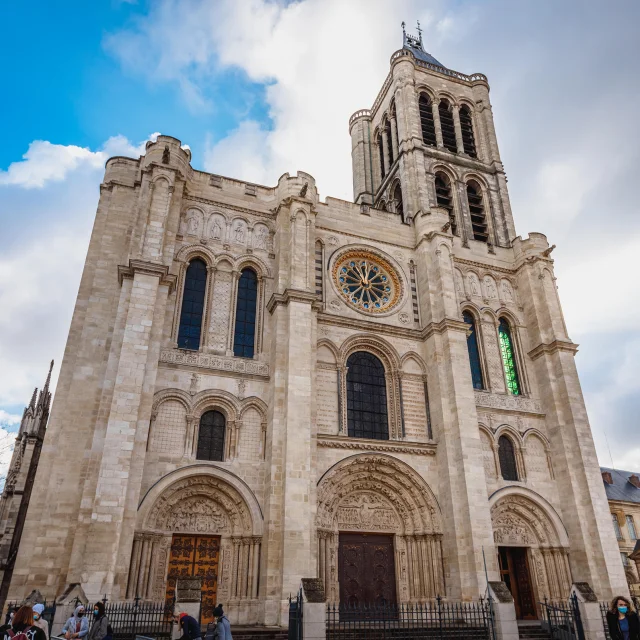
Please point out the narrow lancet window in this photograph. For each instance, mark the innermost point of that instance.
(507, 457)
(366, 397)
(508, 358)
(381, 156)
(195, 285)
(397, 196)
(211, 436)
(387, 128)
(245, 329)
(474, 352)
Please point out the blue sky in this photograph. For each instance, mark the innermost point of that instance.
(260, 87)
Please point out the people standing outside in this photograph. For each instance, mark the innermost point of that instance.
(100, 629)
(190, 627)
(22, 627)
(38, 620)
(623, 620)
(223, 626)
(77, 626)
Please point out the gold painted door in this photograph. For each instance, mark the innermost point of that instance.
(193, 556)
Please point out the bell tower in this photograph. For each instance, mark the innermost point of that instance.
(429, 142)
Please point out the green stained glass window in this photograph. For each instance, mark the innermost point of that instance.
(508, 358)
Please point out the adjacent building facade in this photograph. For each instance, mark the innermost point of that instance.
(623, 493)
(259, 386)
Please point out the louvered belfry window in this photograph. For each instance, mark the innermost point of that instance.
(507, 457)
(477, 213)
(366, 397)
(211, 436)
(474, 352)
(444, 198)
(466, 124)
(245, 329)
(447, 126)
(426, 120)
(195, 285)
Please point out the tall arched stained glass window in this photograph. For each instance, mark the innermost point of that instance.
(474, 352)
(245, 329)
(508, 358)
(211, 436)
(195, 284)
(507, 457)
(366, 397)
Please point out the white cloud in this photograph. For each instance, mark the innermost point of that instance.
(42, 255)
(9, 419)
(46, 162)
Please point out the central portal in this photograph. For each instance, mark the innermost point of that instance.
(366, 569)
(514, 571)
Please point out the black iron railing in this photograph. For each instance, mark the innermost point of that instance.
(434, 620)
(295, 617)
(562, 619)
(137, 618)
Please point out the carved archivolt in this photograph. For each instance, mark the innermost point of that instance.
(200, 504)
(376, 491)
(380, 493)
(521, 518)
(518, 520)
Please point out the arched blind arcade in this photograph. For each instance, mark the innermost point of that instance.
(508, 357)
(245, 329)
(507, 457)
(211, 436)
(474, 352)
(466, 124)
(366, 397)
(426, 121)
(447, 126)
(195, 285)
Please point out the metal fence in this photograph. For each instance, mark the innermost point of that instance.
(562, 619)
(433, 620)
(136, 618)
(295, 617)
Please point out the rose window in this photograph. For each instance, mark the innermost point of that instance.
(367, 282)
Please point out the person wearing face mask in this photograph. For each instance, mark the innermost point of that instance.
(77, 626)
(38, 620)
(100, 629)
(623, 620)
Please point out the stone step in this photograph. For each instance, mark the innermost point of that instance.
(533, 633)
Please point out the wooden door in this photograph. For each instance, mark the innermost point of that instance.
(366, 569)
(514, 571)
(196, 556)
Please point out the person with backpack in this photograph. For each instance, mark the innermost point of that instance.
(22, 627)
(100, 629)
(189, 627)
(77, 626)
(38, 620)
(223, 626)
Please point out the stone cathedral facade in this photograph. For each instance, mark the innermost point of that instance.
(260, 386)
